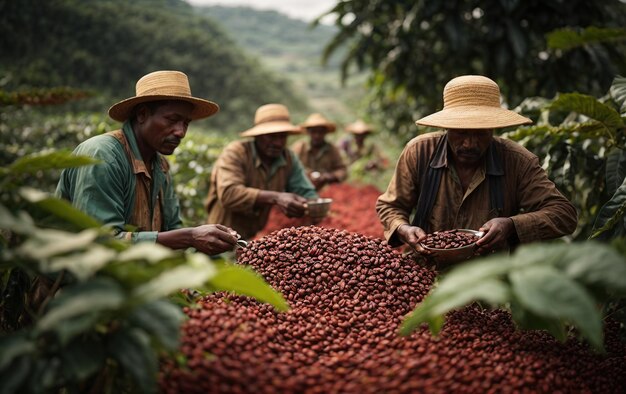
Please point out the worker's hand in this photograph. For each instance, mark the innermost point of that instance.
(292, 205)
(497, 232)
(412, 236)
(213, 239)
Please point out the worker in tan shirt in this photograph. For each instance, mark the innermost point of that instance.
(356, 148)
(251, 176)
(322, 161)
(465, 177)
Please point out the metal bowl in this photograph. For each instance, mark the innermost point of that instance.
(445, 257)
(318, 208)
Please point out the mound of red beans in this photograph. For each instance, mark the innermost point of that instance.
(348, 295)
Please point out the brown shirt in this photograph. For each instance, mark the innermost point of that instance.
(236, 180)
(327, 159)
(538, 210)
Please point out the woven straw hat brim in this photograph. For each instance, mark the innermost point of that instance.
(330, 127)
(202, 108)
(473, 117)
(272, 128)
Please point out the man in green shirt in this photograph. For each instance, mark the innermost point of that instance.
(131, 190)
(250, 177)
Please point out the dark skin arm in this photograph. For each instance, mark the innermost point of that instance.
(292, 205)
(211, 239)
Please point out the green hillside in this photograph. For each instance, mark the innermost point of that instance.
(106, 45)
(294, 49)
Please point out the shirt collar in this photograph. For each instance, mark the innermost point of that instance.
(139, 166)
(493, 159)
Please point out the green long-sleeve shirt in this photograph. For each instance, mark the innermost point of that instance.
(108, 191)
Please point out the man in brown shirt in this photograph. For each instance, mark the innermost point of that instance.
(249, 177)
(322, 161)
(465, 177)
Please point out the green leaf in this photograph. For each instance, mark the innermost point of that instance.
(82, 359)
(548, 293)
(615, 169)
(568, 38)
(145, 251)
(590, 107)
(21, 224)
(596, 265)
(68, 329)
(611, 215)
(618, 92)
(14, 346)
(33, 163)
(194, 274)
(60, 208)
(46, 243)
(243, 280)
(131, 347)
(527, 320)
(93, 296)
(162, 319)
(82, 265)
(433, 308)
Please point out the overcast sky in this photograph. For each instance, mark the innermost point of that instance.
(301, 9)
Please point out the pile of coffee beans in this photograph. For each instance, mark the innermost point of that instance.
(449, 239)
(348, 295)
(353, 209)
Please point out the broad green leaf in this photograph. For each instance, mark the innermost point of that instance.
(612, 215)
(33, 163)
(45, 243)
(21, 224)
(615, 170)
(527, 320)
(145, 251)
(59, 208)
(160, 319)
(194, 274)
(131, 347)
(14, 346)
(434, 307)
(93, 296)
(548, 293)
(244, 281)
(82, 358)
(596, 265)
(568, 38)
(590, 107)
(618, 92)
(82, 264)
(67, 329)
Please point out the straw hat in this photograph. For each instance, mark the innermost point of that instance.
(472, 102)
(359, 127)
(163, 85)
(318, 120)
(272, 118)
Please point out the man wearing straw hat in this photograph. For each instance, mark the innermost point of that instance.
(465, 177)
(251, 176)
(322, 161)
(355, 147)
(132, 186)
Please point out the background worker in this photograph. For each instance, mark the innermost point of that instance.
(251, 176)
(322, 160)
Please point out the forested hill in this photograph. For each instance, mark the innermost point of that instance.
(293, 48)
(106, 45)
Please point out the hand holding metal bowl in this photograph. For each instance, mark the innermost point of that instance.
(318, 208)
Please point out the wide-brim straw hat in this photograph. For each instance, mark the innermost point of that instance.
(359, 127)
(163, 85)
(318, 120)
(270, 119)
(472, 102)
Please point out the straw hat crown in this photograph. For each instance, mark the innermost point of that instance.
(472, 102)
(359, 127)
(318, 120)
(272, 118)
(163, 85)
